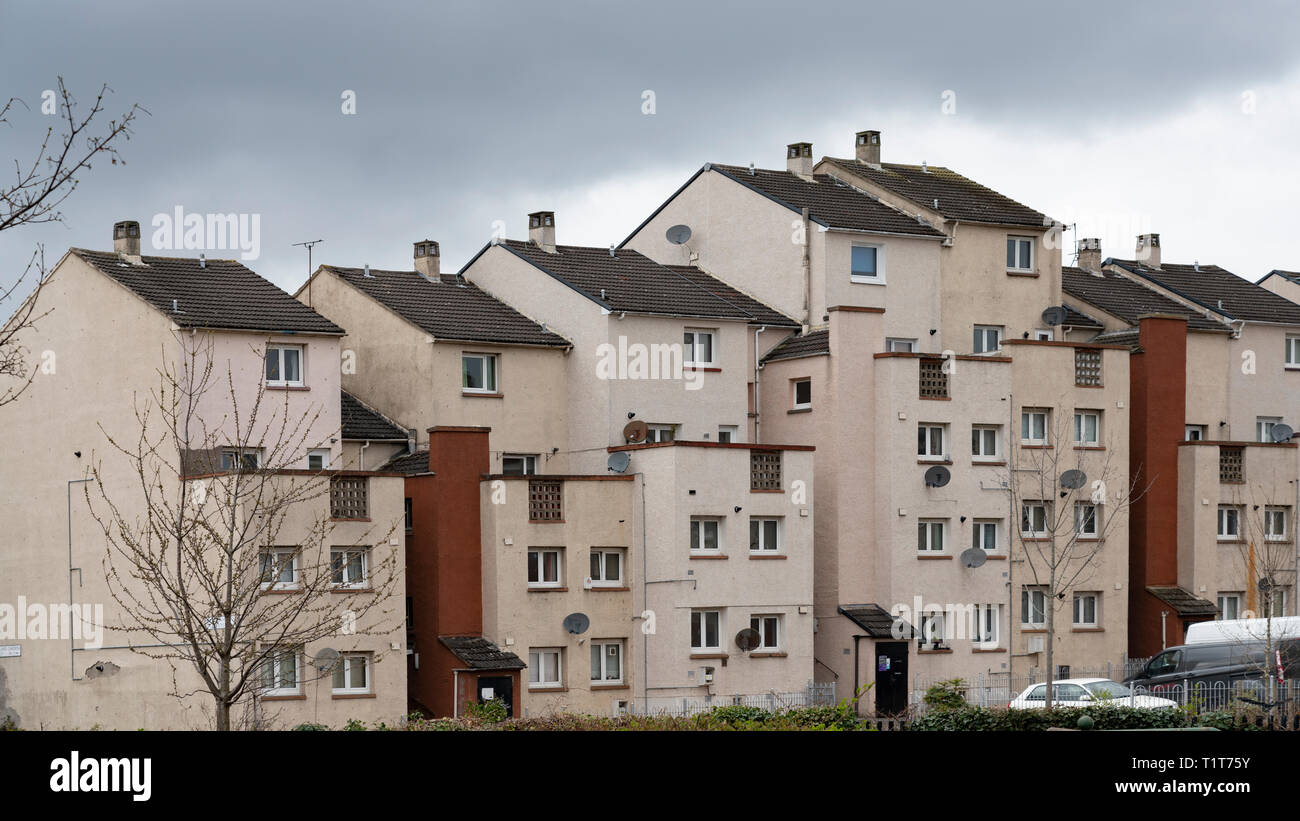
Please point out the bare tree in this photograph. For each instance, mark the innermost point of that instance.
(225, 551)
(39, 186)
(1068, 500)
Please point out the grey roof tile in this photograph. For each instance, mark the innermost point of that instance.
(478, 653)
(412, 464)
(1211, 287)
(1122, 297)
(362, 422)
(813, 343)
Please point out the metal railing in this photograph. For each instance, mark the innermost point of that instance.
(815, 694)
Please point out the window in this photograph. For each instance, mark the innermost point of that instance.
(1232, 465)
(1087, 367)
(706, 630)
(606, 662)
(280, 673)
(318, 459)
(984, 443)
(1085, 609)
(1087, 425)
(984, 632)
(1085, 520)
(929, 442)
(867, 263)
(284, 366)
(348, 567)
(1264, 427)
(279, 568)
(518, 464)
(545, 667)
(900, 345)
(352, 674)
(765, 470)
(1033, 607)
(1276, 602)
(410, 515)
(478, 372)
(984, 536)
(930, 535)
(1044, 334)
(698, 349)
(544, 567)
(1293, 351)
(706, 535)
(1275, 524)
(1194, 433)
(661, 433)
(934, 379)
(727, 434)
(769, 631)
(545, 500)
(1033, 426)
(988, 338)
(1020, 254)
(932, 632)
(802, 394)
(1229, 523)
(1034, 520)
(1229, 606)
(764, 535)
(349, 497)
(606, 567)
(241, 459)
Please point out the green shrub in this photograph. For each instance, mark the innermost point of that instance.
(354, 726)
(946, 695)
(1107, 717)
(492, 711)
(310, 727)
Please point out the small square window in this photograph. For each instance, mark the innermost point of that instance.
(606, 567)
(545, 567)
(284, 366)
(519, 464)
(1035, 520)
(706, 535)
(1020, 254)
(727, 434)
(1275, 523)
(479, 373)
(893, 345)
(984, 536)
(278, 567)
(706, 630)
(318, 459)
(545, 667)
(1229, 523)
(764, 535)
(1293, 351)
(281, 673)
(1087, 426)
(1085, 609)
(769, 632)
(349, 568)
(984, 443)
(802, 394)
(1229, 606)
(661, 433)
(931, 535)
(606, 662)
(352, 674)
(988, 338)
(930, 442)
(867, 263)
(1194, 433)
(1033, 426)
(1033, 607)
(699, 348)
(1085, 520)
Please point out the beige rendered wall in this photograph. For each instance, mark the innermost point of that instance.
(1283, 287)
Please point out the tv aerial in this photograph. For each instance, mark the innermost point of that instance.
(576, 623)
(937, 476)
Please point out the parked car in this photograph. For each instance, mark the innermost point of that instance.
(1086, 692)
(1218, 669)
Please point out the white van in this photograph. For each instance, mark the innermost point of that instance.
(1243, 630)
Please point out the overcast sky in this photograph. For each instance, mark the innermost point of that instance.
(1119, 117)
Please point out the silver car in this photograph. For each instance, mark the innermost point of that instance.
(1086, 692)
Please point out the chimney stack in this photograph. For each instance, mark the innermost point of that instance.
(427, 259)
(1089, 253)
(867, 146)
(1148, 250)
(541, 230)
(126, 238)
(798, 159)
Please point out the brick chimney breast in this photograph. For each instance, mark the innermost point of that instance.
(427, 259)
(1148, 250)
(866, 146)
(798, 159)
(126, 238)
(541, 230)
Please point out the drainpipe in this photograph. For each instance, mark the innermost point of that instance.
(757, 367)
(807, 271)
(1012, 523)
(1164, 614)
(362, 457)
(455, 691)
(72, 650)
(645, 605)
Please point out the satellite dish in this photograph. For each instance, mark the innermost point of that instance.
(679, 234)
(576, 623)
(973, 557)
(748, 639)
(1074, 479)
(1054, 315)
(1282, 433)
(618, 461)
(636, 431)
(937, 476)
(326, 659)
(1264, 584)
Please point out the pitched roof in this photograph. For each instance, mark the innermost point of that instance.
(830, 202)
(1122, 297)
(219, 294)
(362, 422)
(1211, 287)
(959, 198)
(630, 281)
(1078, 319)
(1186, 603)
(813, 343)
(412, 464)
(1292, 276)
(449, 309)
(1119, 336)
(876, 621)
(478, 653)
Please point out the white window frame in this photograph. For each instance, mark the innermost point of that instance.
(528, 462)
(319, 453)
(1080, 428)
(1279, 601)
(758, 622)
(980, 528)
(277, 351)
(601, 661)
(1033, 602)
(1027, 417)
(978, 437)
(1223, 534)
(495, 386)
(276, 553)
(987, 627)
(926, 531)
(728, 434)
(276, 661)
(1027, 517)
(661, 432)
(1292, 352)
(795, 404)
(233, 458)
(1223, 600)
(1275, 515)
(980, 338)
(1194, 433)
(1079, 608)
(701, 617)
(933, 630)
(1022, 244)
(542, 581)
(896, 344)
(925, 447)
(347, 582)
(347, 662)
(536, 667)
(1264, 427)
(693, 346)
(869, 279)
(763, 546)
(1081, 520)
(601, 555)
(698, 530)
(1044, 334)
